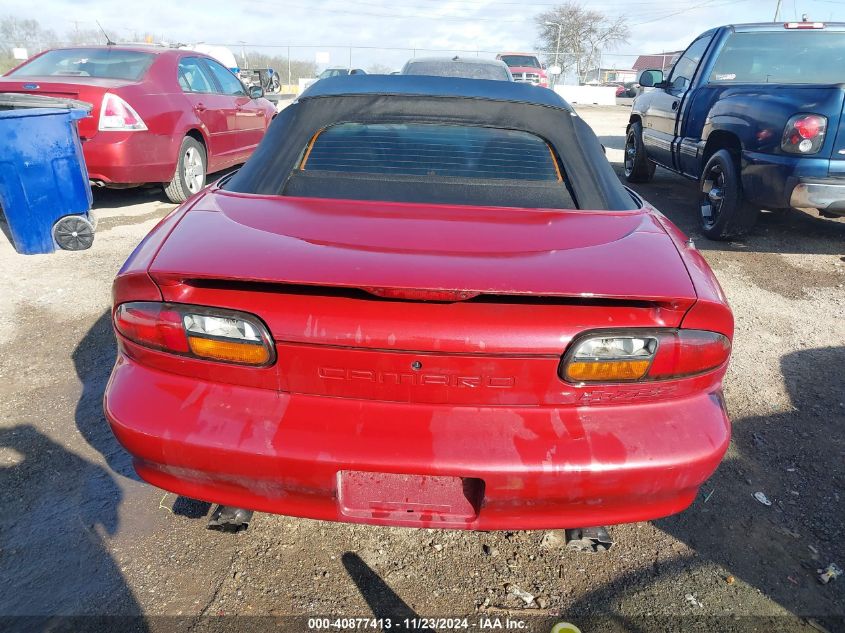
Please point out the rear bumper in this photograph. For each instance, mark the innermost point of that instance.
(541, 467)
(824, 196)
(130, 157)
(779, 181)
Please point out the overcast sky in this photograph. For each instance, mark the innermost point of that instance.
(327, 25)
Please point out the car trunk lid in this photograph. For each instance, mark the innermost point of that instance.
(491, 250)
(515, 287)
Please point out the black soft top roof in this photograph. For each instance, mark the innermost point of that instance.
(404, 99)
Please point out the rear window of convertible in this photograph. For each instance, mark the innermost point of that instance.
(431, 150)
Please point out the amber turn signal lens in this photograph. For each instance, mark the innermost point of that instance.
(592, 371)
(229, 351)
(620, 356)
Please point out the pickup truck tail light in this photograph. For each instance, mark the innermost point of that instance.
(206, 333)
(634, 356)
(118, 116)
(804, 134)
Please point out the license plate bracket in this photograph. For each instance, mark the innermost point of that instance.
(408, 498)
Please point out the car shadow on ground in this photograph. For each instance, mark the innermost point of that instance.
(55, 560)
(93, 359)
(106, 198)
(384, 603)
(796, 460)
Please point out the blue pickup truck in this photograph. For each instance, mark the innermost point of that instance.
(754, 113)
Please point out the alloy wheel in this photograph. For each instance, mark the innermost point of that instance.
(194, 169)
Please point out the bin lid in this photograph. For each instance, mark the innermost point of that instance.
(17, 100)
(21, 113)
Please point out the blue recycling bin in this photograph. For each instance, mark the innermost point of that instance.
(44, 189)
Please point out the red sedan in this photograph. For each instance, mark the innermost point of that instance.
(425, 302)
(159, 114)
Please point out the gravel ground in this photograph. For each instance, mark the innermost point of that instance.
(81, 535)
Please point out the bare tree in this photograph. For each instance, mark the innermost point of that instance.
(27, 34)
(573, 36)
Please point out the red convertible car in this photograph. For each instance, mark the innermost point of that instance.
(159, 114)
(429, 302)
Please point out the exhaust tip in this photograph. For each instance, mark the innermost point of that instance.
(589, 540)
(229, 519)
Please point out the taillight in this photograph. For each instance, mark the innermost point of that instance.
(206, 333)
(634, 356)
(804, 134)
(117, 115)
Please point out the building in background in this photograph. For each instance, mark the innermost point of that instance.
(663, 61)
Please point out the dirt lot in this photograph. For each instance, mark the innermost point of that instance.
(81, 535)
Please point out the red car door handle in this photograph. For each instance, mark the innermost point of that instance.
(200, 107)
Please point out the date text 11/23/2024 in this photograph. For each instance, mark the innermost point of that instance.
(427, 624)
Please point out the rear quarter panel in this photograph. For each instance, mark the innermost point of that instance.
(163, 106)
(711, 311)
(757, 114)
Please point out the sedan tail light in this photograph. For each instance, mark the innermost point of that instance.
(804, 134)
(641, 356)
(206, 333)
(117, 115)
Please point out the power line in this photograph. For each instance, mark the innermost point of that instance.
(704, 5)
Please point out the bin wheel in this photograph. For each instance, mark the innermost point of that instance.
(73, 233)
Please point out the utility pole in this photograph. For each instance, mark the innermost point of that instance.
(559, 26)
(244, 62)
(777, 11)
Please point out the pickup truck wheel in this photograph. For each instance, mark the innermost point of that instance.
(724, 213)
(638, 168)
(190, 171)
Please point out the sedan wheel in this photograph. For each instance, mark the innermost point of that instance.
(190, 171)
(194, 170)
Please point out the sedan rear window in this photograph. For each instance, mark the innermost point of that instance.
(101, 63)
(461, 69)
(431, 150)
